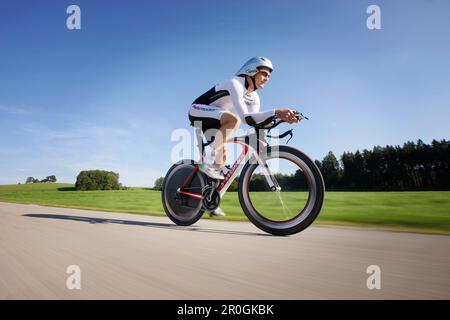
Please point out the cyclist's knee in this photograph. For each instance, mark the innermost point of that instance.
(230, 120)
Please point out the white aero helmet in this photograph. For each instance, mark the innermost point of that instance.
(251, 67)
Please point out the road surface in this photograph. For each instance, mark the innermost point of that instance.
(126, 256)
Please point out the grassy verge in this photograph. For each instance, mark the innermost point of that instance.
(423, 212)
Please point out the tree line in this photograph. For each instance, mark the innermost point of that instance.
(35, 180)
(413, 166)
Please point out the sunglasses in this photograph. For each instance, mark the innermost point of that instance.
(265, 73)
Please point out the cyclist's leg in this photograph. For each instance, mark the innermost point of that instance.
(229, 122)
(208, 118)
(217, 123)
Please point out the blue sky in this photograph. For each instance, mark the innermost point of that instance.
(109, 96)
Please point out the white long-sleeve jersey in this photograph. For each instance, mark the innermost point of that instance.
(230, 95)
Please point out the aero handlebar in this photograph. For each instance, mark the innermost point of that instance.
(273, 121)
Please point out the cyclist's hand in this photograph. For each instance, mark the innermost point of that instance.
(287, 115)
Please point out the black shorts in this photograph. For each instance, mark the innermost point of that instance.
(206, 123)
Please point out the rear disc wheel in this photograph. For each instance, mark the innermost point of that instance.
(183, 210)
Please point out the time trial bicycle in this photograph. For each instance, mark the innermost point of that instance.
(281, 190)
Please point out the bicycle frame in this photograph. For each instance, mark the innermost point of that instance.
(250, 151)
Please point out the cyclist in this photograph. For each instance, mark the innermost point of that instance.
(223, 108)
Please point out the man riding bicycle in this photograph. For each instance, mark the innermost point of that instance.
(223, 108)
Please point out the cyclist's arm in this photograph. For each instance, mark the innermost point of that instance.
(237, 96)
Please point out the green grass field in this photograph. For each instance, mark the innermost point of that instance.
(422, 212)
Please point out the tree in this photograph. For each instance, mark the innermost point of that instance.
(234, 186)
(159, 183)
(258, 183)
(348, 176)
(97, 180)
(440, 153)
(360, 170)
(30, 180)
(331, 170)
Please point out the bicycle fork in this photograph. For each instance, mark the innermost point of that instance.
(270, 178)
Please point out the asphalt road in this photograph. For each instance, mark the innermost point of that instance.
(125, 256)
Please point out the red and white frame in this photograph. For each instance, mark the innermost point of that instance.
(246, 154)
